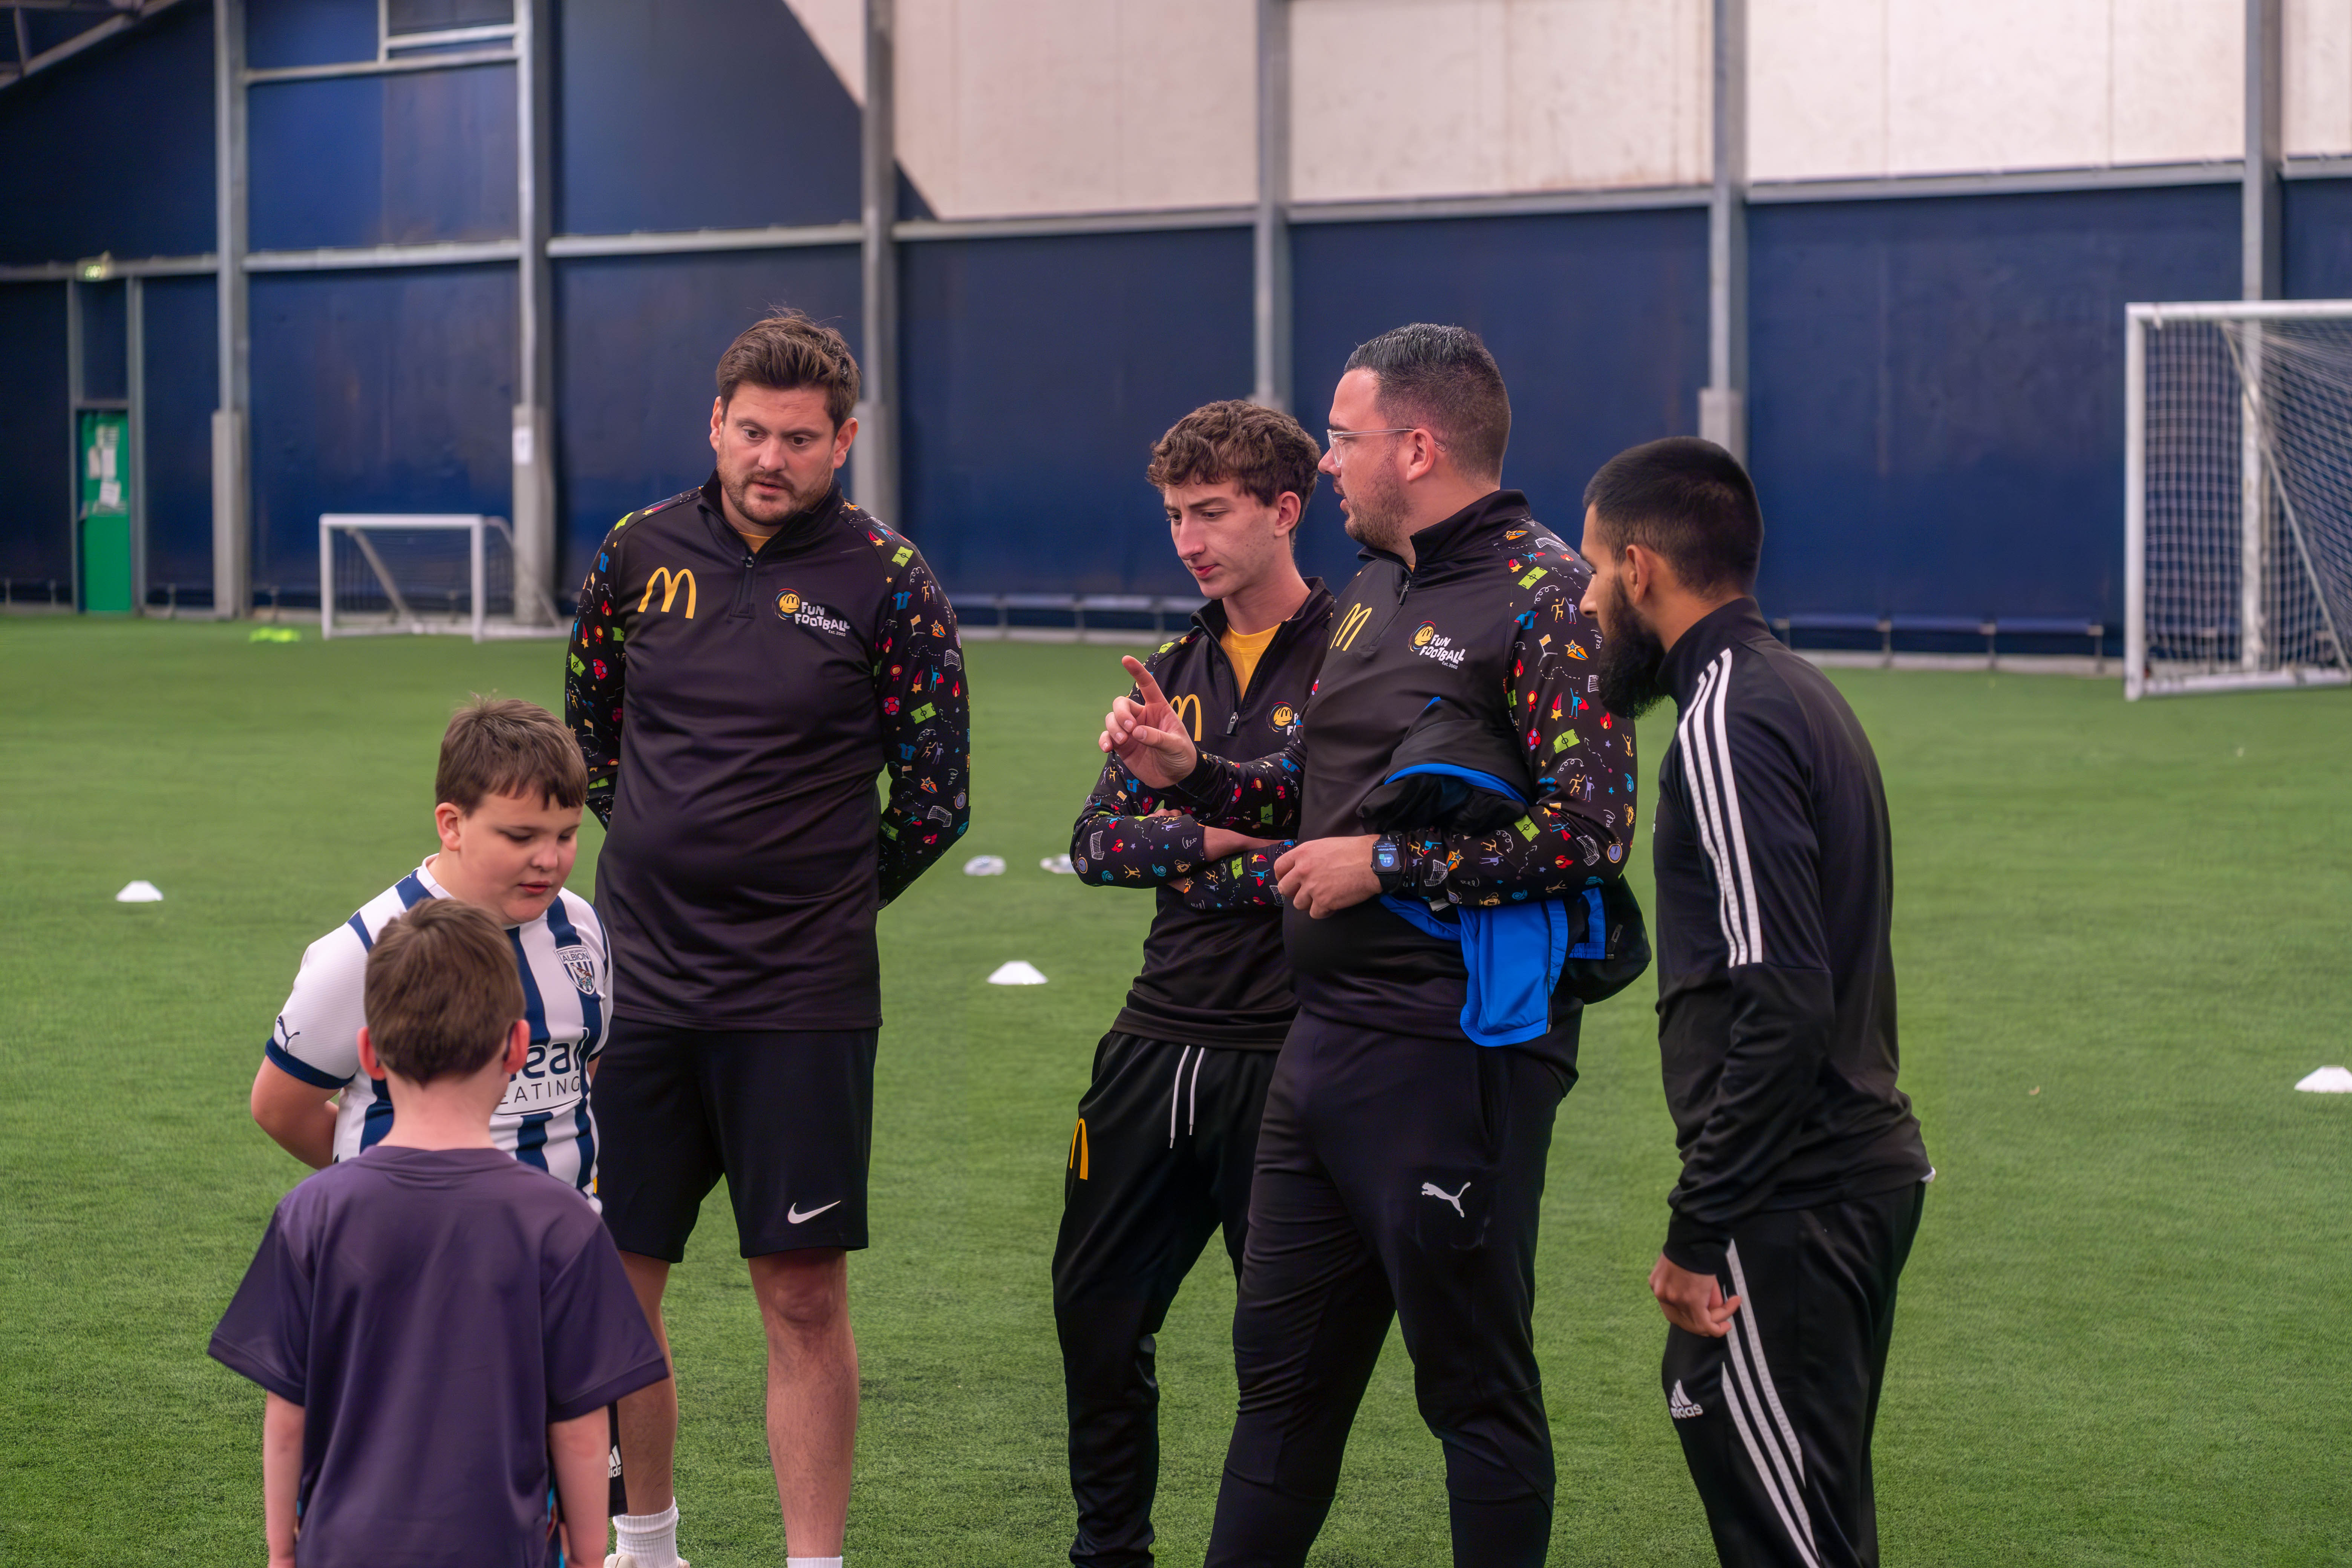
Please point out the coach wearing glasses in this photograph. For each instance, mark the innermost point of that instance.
(1400, 1161)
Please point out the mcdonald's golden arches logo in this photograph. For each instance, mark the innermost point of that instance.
(1350, 625)
(1187, 703)
(669, 581)
(1078, 1148)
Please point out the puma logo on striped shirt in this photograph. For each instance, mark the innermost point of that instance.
(1715, 801)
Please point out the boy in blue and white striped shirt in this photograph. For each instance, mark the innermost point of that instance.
(509, 787)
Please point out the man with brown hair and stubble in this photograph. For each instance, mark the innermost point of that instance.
(748, 656)
(1167, 1133)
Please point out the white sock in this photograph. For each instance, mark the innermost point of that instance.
(812, 1563)
(650, 1538)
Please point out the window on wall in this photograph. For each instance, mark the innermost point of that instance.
(403, 19)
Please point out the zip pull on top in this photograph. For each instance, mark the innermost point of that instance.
(1233, 720)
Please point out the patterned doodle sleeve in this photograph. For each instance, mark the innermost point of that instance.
(919, 679)
(1581, 826)
(594, 674)
(1123, 839)
(1259, 798)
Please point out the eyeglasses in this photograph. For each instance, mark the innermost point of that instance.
(1333, 438)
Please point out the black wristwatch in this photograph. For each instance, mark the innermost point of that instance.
(1388, 862)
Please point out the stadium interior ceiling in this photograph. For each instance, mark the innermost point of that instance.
(478, 255)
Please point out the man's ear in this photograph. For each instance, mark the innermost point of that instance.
(518, 1048)
(718, 417)
(1645, 572)
(1286, 508)
(369, 1063)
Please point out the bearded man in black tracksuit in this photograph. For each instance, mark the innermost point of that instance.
(1400, 1158)
(1166, 1135)
(1803, 1173)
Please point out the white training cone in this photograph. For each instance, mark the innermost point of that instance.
(985, 866)
(2325, 1080)
(140, 893)
(1020, 971)
(1059, 865)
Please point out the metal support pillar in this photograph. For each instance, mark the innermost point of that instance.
(232, 443)
(1723, 402)
(76, 389)
(874, 469)
(134, 386)
(2258, 239)
(1270, 248)
(534, 418)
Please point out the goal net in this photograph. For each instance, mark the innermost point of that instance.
(2237, 496)
(419, 575)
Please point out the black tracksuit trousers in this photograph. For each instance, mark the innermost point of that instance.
(1775, 1417)
(1397, 1177)
(1160, 1158)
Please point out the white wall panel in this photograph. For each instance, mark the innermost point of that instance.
(1865, 87)
(837, 27)
(1409, 97)
(2318, 77)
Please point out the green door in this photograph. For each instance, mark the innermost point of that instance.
(105, 513)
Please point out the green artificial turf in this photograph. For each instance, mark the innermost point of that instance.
(2120, 938)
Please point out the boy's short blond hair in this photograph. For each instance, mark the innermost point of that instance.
(503, 746)
(441, 992)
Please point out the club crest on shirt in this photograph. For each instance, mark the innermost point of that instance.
(1430, 643)
(791, 608)
(581, 964)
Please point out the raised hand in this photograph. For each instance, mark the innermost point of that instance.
(1146, 735)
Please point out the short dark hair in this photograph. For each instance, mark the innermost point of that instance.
(1690, 502)
(441, 993)
(1443, 380)
(503, 746)
(1263, 450)
(787, 352)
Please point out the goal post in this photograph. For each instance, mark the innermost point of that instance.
(2238, 495)
(418, 574)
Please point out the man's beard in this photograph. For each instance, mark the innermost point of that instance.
(766, 514)
(1376, 512)
(1631, 659)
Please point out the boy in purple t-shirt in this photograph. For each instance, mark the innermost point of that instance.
(438, 1327)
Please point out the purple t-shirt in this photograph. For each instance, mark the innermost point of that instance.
(432, 1311)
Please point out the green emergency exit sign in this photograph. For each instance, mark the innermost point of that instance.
(105, 510)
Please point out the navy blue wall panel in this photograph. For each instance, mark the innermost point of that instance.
(388, 391)
(183, 389)
(2318, 222)
(735, 121)
(638, 340)
(36, 539)
(279, 33)
(105, 341)
(1937, 405)
(112, 150)
(1037, 375)
(384, 160)
(1598, 321)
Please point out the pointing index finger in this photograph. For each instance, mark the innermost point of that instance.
(1152, 696)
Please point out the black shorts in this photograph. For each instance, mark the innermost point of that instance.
(786, 1116)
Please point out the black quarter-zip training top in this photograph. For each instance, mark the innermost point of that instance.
(734, 708)
(1486, 616)
(1776, 975)
(1213, 968)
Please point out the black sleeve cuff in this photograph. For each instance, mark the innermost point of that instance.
(1202, 776)
(1693, 1244)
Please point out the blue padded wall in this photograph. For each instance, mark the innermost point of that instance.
(2318, 223)
(1037, 375)
(113, 150)
(389, 390)
(279, 33)
(105, 341)
(733, 122)
(36, 537)
(1598, 321)
(183, 389)
(1936, 402)
(638, 340)
(384, 160)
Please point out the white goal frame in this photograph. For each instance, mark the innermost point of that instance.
(406, 621)
(2255, 458)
